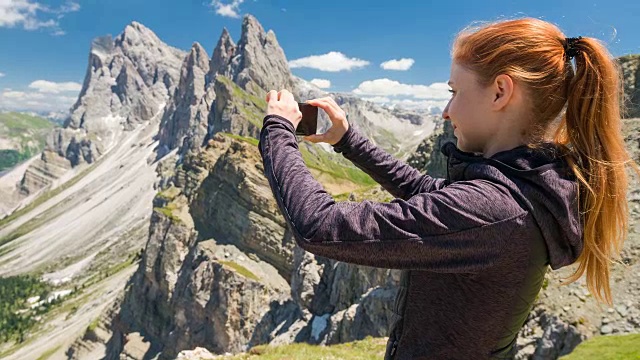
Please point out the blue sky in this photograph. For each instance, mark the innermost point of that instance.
(44, 45)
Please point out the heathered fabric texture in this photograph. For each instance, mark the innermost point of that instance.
(463, 241)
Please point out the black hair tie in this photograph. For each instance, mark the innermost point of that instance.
(570, 47)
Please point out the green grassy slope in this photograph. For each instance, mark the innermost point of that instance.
(22, 136)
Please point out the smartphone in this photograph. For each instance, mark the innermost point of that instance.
(309, 123)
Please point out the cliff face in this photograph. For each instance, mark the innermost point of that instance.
(186, 115)
(428, 157)
(630, 65)
(212, 265)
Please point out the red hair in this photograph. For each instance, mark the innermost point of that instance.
(589, 131)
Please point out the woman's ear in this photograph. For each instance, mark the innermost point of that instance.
(502, 88)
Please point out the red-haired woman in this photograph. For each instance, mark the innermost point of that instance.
(530, 184)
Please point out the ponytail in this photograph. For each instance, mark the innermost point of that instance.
(592, 127)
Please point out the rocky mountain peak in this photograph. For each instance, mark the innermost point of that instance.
(186, 114)
(137, 33)
(260, 62)
(129, 80)
(222, 54)
(198, 56)
(251, 27)
(101, 46)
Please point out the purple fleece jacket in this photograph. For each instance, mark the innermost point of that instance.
(474, 246)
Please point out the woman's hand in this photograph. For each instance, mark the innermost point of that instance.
(338, 120)
(283, 104)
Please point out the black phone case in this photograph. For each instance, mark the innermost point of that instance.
(309, 123)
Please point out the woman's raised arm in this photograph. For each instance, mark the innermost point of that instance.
(464, 227)
(398, 178)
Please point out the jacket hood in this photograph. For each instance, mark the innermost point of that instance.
(541, 181)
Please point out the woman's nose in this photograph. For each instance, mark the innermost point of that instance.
(445, 113)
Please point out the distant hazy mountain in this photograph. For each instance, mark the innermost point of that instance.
(21, 137)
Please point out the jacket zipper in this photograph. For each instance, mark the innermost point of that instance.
(393, 348)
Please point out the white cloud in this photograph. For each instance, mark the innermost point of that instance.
(333, 61)
(393, 93)
(35, 101)
(321, 83)
(378, 99)
(32, 15)
(386, 87)
(231, 9)
(1, 74)
(45, 86)
(14, 12)
(70, 7)
(46, 96)
(403, 64)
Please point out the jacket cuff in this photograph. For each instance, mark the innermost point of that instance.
(279, 119)
(344, 142)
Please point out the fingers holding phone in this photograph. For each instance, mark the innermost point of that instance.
(338, 117)
(304, 116)
(283, 104)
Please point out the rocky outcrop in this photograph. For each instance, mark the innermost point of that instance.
(235, 110)
(222, 54)
(188, 111)
(341, 301)
(203, 279)
(546, 336)
(249, 218)
(428, 157)
(630, 65)
(40, 173)
(95, 336)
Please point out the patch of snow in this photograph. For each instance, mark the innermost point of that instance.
(58, 294)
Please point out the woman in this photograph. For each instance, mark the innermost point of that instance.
(528, 185)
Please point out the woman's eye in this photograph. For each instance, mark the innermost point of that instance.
(452, 92)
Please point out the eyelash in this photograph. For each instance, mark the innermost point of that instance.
(451, 91)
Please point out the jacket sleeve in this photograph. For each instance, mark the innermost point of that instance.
(398, 178)
(463, 227)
